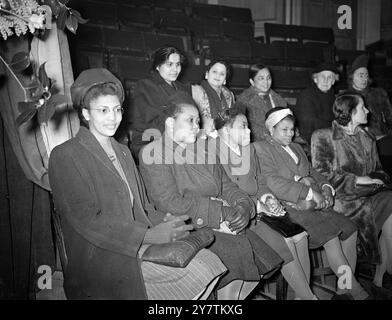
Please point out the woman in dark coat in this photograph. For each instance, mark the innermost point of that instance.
(151, 96)
(347, 155)
(182, 177)
(101, 201)
(239, 159)
(313, 109)
(212, 96)
(307, 195)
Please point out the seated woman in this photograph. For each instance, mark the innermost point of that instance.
(313, 109)
(182, 178)
(237, 154)
(152, 94)
(101, 201)
(376, 99)
(306, 195)
(211, 96)
(347, 155)
(258, 99)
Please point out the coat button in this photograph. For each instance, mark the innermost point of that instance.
(199, 221)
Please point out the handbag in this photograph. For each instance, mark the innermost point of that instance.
(283, 224)
(179, 253)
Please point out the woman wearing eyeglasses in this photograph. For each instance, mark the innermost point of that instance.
(106, 218)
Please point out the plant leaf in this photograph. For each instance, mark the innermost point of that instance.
(58, 99)
(26, 105)
(72, 23)
(43, 77)
(64, 1)
(25, 116)
(63, 15)
(20, 61)
(54, 6)
(78, 16)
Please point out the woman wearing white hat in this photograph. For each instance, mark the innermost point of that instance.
(307, 195)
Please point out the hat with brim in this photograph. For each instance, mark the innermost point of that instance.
(361, 61)
(326, 66)
(90, 78)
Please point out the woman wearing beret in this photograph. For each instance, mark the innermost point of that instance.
(307, 195)
(106, 218)
(347, 155)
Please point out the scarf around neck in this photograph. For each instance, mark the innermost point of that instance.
(217, 103)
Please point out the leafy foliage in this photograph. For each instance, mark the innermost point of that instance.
(41, 97)
(20, 16)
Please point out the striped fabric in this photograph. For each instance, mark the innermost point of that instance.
(168, 283)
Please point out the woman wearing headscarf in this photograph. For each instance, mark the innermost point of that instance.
(347, 155)
(182, 176)
(212, 96)
(151, 97)
(106, 218)
(307, 195)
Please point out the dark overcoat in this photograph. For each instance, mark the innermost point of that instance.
(179, 185)
(102, 230)
(147, 111)
(314, 110)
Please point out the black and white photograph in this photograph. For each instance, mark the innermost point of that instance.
(208, 157)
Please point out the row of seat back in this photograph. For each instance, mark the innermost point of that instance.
(301, 34)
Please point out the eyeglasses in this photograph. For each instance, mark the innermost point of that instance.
(106, 110)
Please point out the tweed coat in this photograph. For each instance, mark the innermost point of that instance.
(148, 105)
(256, 108)
(186, 187)
(341, 158)
(102, 231)
(278, 171)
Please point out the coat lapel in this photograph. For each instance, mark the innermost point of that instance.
(92, 145)
(285, 157)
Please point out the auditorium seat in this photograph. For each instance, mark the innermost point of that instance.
(237, 30)
(235, 14)
(232, 51)
(135, 18)
(172, 22)
(206, 11)
(98, 13)
(269, 54)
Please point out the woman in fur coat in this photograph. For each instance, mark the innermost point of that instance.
(347, 155)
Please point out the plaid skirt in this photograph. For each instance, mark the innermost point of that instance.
(168, 283)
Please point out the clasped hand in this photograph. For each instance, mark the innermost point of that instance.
(238, 216)
(171, 229)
